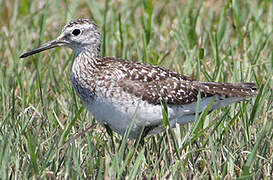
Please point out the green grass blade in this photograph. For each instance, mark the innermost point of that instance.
(253, 155)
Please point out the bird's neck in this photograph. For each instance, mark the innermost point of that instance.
(91, 51)
(85, 60)
(84, 68)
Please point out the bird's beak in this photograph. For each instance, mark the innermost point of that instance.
(60, 41)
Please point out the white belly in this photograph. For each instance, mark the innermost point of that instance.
(118, 115)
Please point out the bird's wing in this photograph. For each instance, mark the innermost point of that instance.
(155, 84)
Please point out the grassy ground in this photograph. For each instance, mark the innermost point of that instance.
(40, 115)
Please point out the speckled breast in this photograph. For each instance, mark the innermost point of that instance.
(86, 94)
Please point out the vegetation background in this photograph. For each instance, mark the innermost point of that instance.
(42, 121)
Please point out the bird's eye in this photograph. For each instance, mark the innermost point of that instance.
(76, 32)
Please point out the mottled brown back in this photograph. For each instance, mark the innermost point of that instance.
(154, 84)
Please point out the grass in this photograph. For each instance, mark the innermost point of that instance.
(223, 41)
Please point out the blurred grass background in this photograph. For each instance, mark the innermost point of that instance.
(223, 41)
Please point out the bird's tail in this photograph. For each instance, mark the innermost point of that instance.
(243, 90)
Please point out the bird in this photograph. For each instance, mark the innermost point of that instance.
(120, 93)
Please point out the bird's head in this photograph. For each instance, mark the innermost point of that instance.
(77, 35)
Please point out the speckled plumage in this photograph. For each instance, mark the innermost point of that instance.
(113, 90)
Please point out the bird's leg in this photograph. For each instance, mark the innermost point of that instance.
(140, 139)
(143, 133)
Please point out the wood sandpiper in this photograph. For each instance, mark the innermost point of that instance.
(114, 90)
